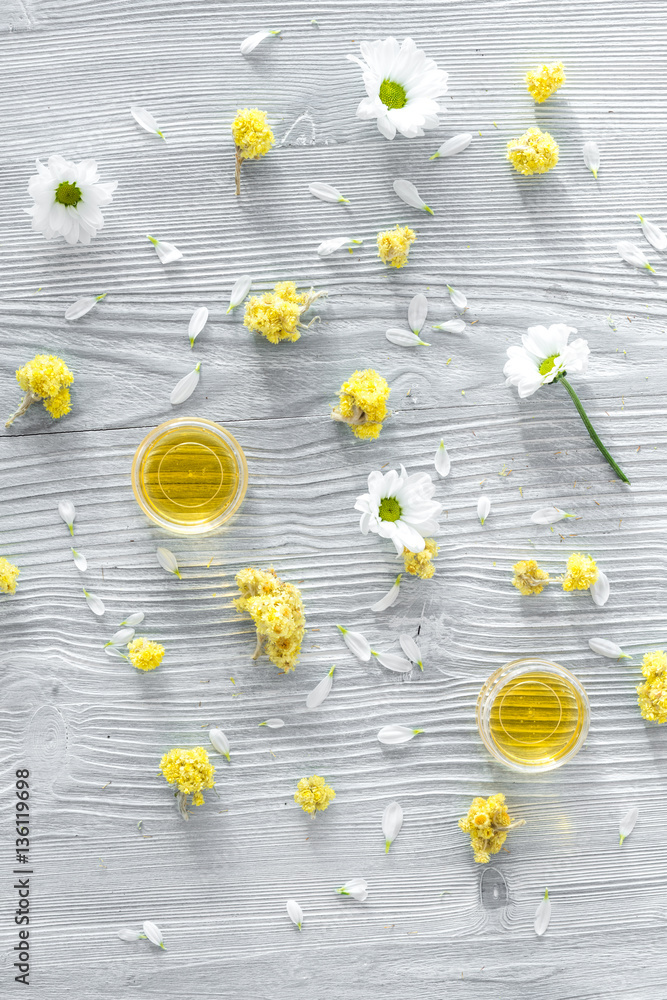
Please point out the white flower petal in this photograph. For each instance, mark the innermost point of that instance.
(452, 146)
(114, 651)
(121, 637)
(146, 120)
(325, 192)
(252, 41)
(627, 824)
(153, 933)
(126, 934)
(417, 312)
(549, 515)
(393, 735)
(134, 619)
(167, 561)
(197, 323)
(592, 157)
(442, 460)
(542, 915)
(355, 887)
(605, 647)
(273, 723)
(389, 598)
(356, 643)
(392, 821)
(411, 649)
(294, 912)
(653, 233)
(392, 661)
(240, 289)
(459, 301)
(184, 389)
(166, 252)
(219, 742)
(82, 306)
(404, 338)
(94, 603)
(80, 560)
(321, 691)
(451, 326)
(599, 590)
(67, 511)
(483, 508)
(633, 255)
(408, 193)
(330, 246)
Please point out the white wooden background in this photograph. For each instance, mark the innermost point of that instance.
(524, 250)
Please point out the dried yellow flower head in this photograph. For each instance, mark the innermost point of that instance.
(277, 314)
(420, 563)
(145, 654)
(277, 611)
(652, 693)
(190, 771)
(528, 576)
(535, 152)
(8, 576)
(488, 823)
(394, 245)
(545, 81)
(580, 573)
(44, 379)
(313, 794)
(363, 404)
(252, 137)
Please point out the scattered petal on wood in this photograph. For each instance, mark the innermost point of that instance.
(393, 662)
(146, 120)
(121, 637)
(184, 389)
(330, 246)
(483, 508)
(94, 603)
(321, 691)
(134, 619)
(442, 461)
(599, 590)
(68, 513)
(653, 233)
(126, 934)
(356, 643)
(325, 192)
(168, 561)
(392, 821)
(82, 306)
(605, 647)
(459, 301)
(411, 649)
(80, 561)
(219, 742)
(390, 597)
(408, 193)
(240, 289)
(356, 887)
(592, 157)
(273, 723)
(417, 312)
(197, 323)
(294, 912)
(549, 515)
(252, 41)
(452, 146)
(627, 824)
(167, 252)
(543, 915)
(633, 255)
(404, 338)
(393, 735)
(153, 933)
(114, 651)
(451, 326)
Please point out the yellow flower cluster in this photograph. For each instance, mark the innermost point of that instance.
(313, 794)
(277, 314)
(277, 611)
(46, 378)
(581, 572)
(420, 563)
(8, 576)
(527, 576)
(488, 822)
(652, 693)
(145, 654)
(189, 770)
(252, 134)
(394, 245)
(535, 152)
(545, 81)
(363, 404)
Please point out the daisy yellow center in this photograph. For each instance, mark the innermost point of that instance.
(68, 193)
(547, 364)
(390, 509)
(392, 94)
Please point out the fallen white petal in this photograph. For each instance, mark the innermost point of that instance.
(627, 824)
(549, 515)
(411, 649)
(134, 619)
(605, 647)
(219, 742)
(483, 508)
(197, 323)
(114, 651)
(126, 934)
(294, 912)
(252, 41)
(356, 643)
(146, 120)
(459, 301)
(121, 637)
(389, 598)
(153, 933)
(452, 146)
(167, 252)
(600, 590)
(417, 312)
(392, 661)
(392, 735)
(451, 326)
(240, 289)
(167, 560)
(330, 246)
(80, 561)
(442, 460)
(273, 723)
(184, 389)
(404, 338)
(408, 193)
(392, 821)
(325, 192)
(592, 157)
(68, 513)
(543, 915)
(321, 691)
(633, 255)
(653, 234)
(82, 306)
(356, 887)
(94, 603)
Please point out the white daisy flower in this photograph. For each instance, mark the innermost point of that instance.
(68, 199)
(402, 87)
(400, 507)
(544, 355)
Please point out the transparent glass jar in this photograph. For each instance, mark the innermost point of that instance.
(533, 715)
(189, 475)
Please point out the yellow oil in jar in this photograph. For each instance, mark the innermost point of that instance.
(188, 476)
(536, 718)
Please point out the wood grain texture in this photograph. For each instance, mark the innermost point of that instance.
(524, 250)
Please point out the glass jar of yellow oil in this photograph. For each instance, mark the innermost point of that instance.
(189, 475)
(533, 715)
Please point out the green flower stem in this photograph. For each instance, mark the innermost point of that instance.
(591, 430)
